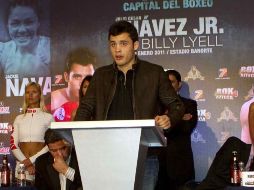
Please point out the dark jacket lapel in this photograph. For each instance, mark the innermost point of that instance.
(54, 175)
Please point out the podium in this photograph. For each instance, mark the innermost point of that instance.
(111, 154)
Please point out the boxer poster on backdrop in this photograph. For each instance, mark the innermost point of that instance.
(207, 41)
(24, 57)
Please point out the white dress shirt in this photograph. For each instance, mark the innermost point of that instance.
(68, 175)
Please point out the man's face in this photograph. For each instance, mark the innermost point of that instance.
(75, 77)
(60, 149)
(176, 85)
(123, 49)
(23, 25)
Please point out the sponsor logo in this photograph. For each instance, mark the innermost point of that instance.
(203, 115)
(226, 93)
(246, 72)
(58, 80)
(223, 73)
(5, 128)
(3, 149)
(197, 137)
(227, 115)
(194, 74)
(199, 95)
(4, 109)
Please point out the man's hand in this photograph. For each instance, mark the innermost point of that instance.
(162, 121)
(60, 164)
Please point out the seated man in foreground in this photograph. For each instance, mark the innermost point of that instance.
(57, 169)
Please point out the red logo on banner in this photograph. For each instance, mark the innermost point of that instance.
(4, 109)
(223, 73)
(203, 115)
(247, 72)
(58, 80)
(226, 93)
(199, 95)
(4, 150)
(5, 128)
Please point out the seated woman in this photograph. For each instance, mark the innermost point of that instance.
(27, 139)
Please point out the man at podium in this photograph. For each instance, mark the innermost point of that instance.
(130, 88)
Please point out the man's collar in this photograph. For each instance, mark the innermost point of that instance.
(134, 66)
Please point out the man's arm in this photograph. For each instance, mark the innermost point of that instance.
(251, 121)
(62, 167)
(170, 100)
(190, 119)
(40, 181)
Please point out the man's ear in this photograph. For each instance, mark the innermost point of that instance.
(66, 77)
(136, 45)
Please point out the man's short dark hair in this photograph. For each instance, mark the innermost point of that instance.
(123, 27)
(174, 73)
(82, 56)
(52, 136)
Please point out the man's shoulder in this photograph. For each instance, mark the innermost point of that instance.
(145, 63)
(149, 68)
(43, 158)
(58, 93)
(189, 100)
(105, 68)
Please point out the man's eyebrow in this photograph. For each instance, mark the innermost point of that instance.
(77, 75)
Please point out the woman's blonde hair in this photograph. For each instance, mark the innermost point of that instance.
(42, 104)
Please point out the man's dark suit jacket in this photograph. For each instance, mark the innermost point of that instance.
(218, 176)
(176, 160)
(47, 178)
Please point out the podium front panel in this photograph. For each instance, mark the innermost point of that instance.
(107, 158)
(111, 154)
